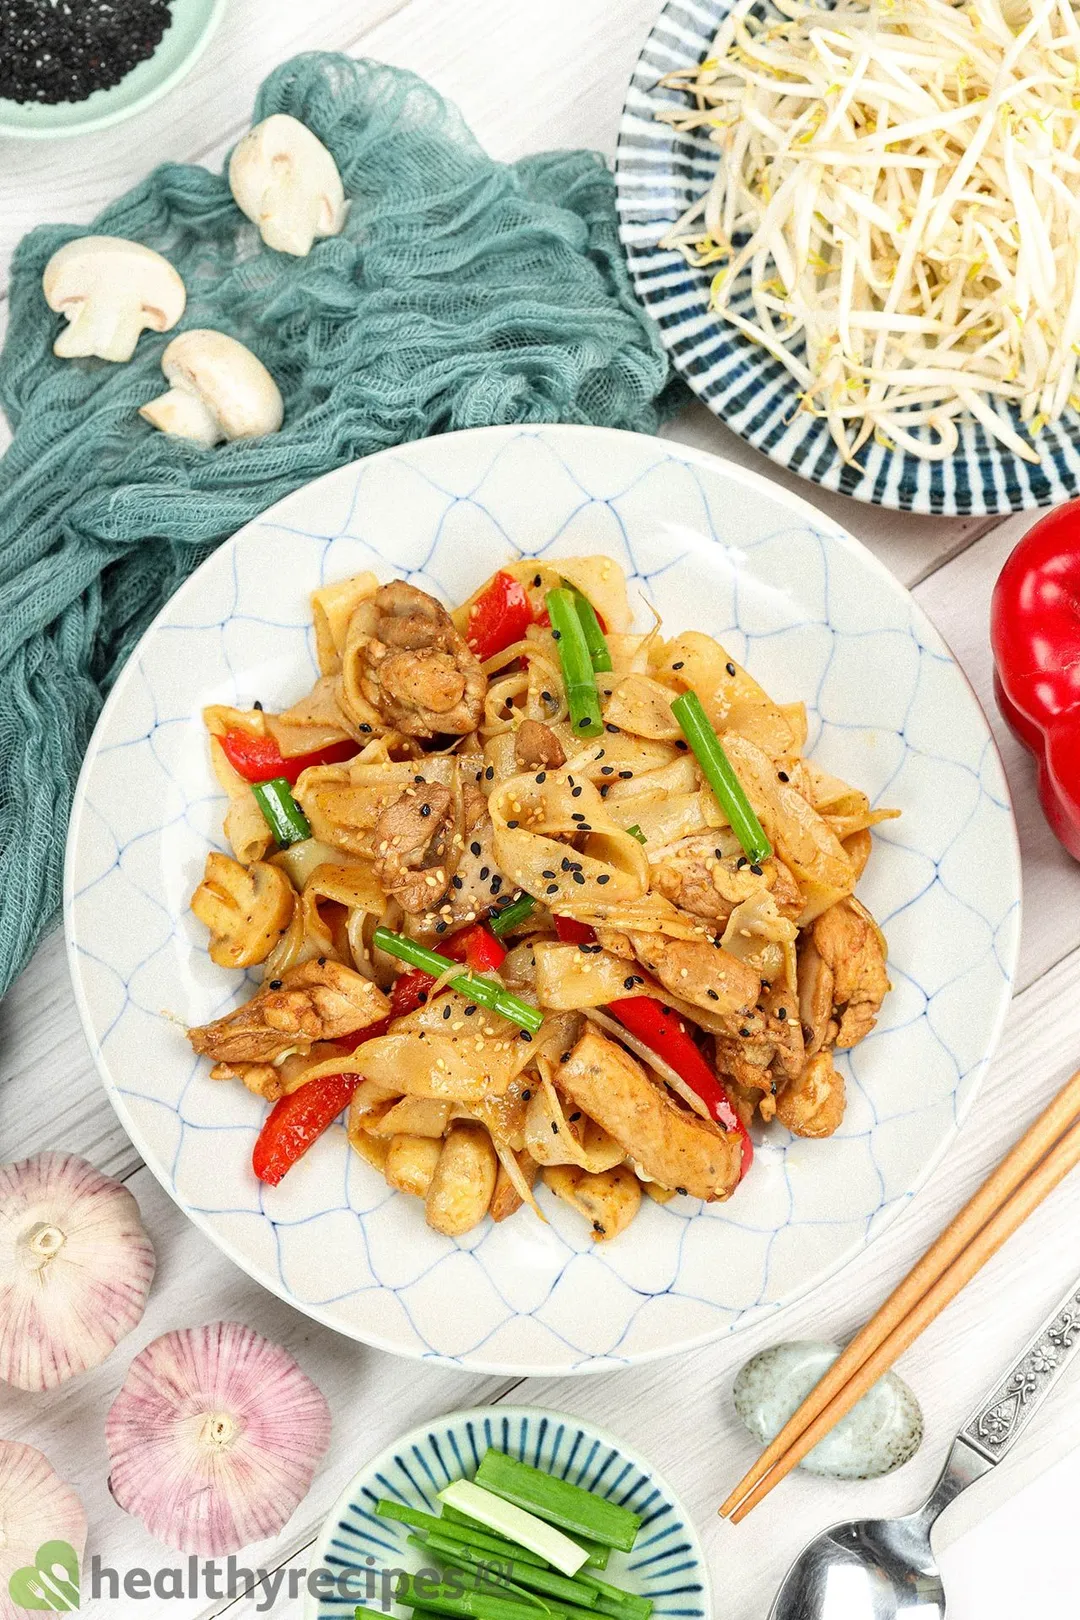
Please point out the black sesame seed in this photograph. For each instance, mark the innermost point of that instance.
(275, 984)
(440, 928)
(744, 1033)
(575, 793)
(577, 877)
(526, 1096)
(740, 863)
(425, 809)
(541, 778)
(422, 998)
(625, 775)
(756, 869)
(585, 827)
(256, 704)
(547, 874)
(365, 728)
(601, 1231)
(512, 825)
(469, 1011)
(565, 863)
(613, 729)
(712, 995)
(783, 776)
(605, 877)
(781, 1013)
(496, 884)
(679, 665)
(485, 873)
(58, 53)
(681, 1191)
(490, 773)
(556, 635)
(552, 888)
(547, 697)
(628, 984)
(537, 581)
(584, 723)
(730, 668)
(576, 815)
(456, 881)
(447, 1011)
(418, 779)
(554, 1128)
(565, 1058)
(607, 770)
(474, 848)
(574, 1117)
(523, 1035)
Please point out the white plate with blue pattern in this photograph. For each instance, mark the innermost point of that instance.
(815, 617)
(666, 1564)
(659, 173)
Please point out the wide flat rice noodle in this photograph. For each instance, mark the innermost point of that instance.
(543, 813)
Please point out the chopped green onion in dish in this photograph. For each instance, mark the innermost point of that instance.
(281, 812)
(510, 916)
(718, 772)
(598, 1555)
(636, 832)
(467, 1602)
(556, 1500)
(548, 1581)
(579, 677)
(469, 1534)
(485, 992)
(485, 1571)
(516, 1524)
(595, 640)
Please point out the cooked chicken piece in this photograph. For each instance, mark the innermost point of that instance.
(699, 877)
(842, 977)
(415, 668)
(412, 840)
(813, 1103)
(536, 747)
(608, 1199)
(261, 1078)
(673, 1146)
(247, 909)
(704, 975)
(317, 1001)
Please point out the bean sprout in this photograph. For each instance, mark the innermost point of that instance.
(895, 214)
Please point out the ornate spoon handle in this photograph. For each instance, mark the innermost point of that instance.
(1004, 1414)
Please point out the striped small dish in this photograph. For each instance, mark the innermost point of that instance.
(666, 1565)
(659, 173)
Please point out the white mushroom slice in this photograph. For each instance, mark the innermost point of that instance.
(110, 290)
(219, 391)
(287, 184)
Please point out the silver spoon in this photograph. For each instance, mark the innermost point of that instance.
(877, 1569)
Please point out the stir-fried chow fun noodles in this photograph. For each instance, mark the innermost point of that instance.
(534, 897)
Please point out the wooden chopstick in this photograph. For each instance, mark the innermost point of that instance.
(988, 1206)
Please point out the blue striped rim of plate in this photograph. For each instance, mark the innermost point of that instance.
(659, 172)
(666, 1563)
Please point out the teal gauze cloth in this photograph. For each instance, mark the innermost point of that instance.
(462, 292)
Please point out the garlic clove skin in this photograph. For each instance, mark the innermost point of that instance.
(214, 1438)
(75, 1269)
(42, 1523)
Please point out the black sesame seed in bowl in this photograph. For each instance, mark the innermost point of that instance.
(66, 50)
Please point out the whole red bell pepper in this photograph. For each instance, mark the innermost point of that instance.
(259, 759)
(666, 1034)
(500, 616)
(1035, 635)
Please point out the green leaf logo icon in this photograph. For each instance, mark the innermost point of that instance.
(51, 1582)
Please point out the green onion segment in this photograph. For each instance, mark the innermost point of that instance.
(485, 992)
(718, 772)
(579, 677)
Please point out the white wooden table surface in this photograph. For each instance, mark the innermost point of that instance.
(529, 75)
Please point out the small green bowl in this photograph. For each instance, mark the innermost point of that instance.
(183, 42)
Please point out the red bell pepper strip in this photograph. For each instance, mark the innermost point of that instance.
(665, 1033)
(1035, 635)
(298, 1120)
(500, 616)
(477, 947)
(259, 759)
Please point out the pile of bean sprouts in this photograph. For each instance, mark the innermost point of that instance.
(896, 209)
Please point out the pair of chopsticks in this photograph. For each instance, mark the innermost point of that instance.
(1043, 1156)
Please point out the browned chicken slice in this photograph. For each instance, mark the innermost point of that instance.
(673, 1146)
(812, 1104)
(412, 840)
(416, 669)
(536, 747)
(842, 977)
(699, 877)
(705, 975)
(317, 1001)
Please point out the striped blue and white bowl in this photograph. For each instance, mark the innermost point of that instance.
(659, 173)
(666, 1565)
